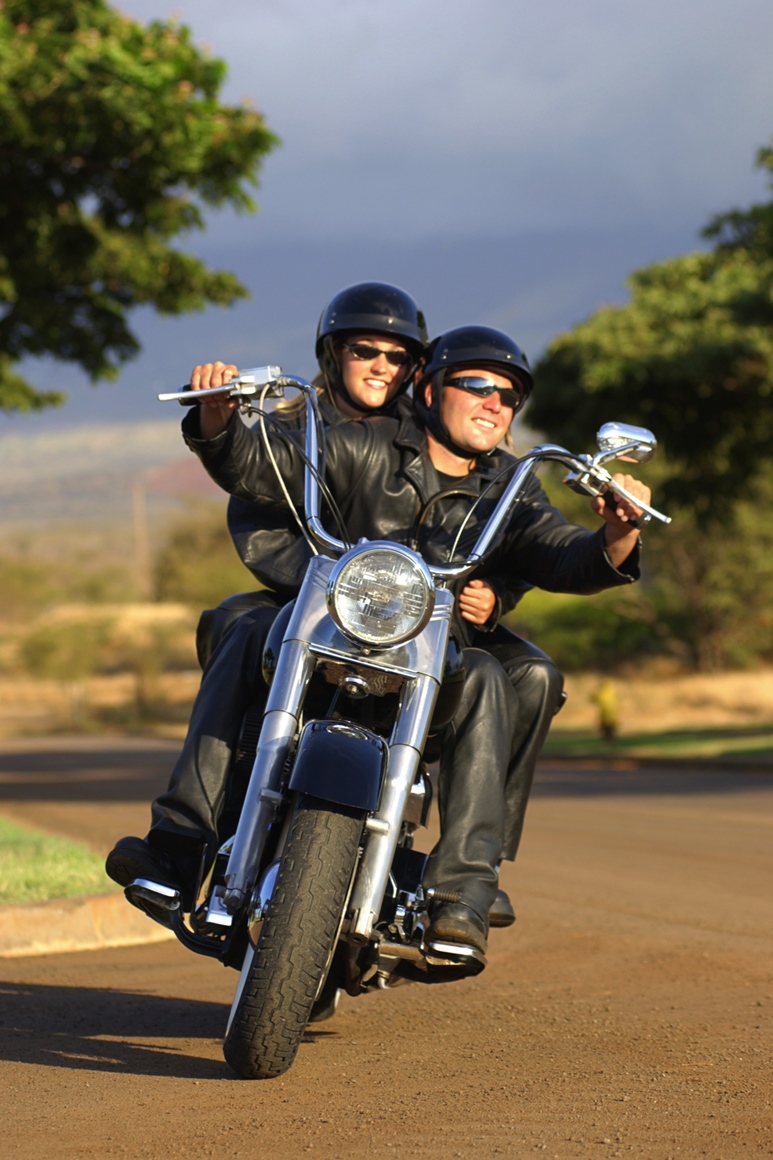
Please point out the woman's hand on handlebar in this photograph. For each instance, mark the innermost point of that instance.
(477, 601)
(215, 411)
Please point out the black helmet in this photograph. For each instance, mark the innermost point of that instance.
(479, 346)
(467, 346)
(370, 308)
(374, 307)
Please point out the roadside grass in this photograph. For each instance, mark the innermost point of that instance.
(36, 867)
(752, 743)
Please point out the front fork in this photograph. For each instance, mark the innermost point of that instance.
(405, 748)
(263, 796)
(280, 726)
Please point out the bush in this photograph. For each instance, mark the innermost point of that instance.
(582, 633)
(198, 564)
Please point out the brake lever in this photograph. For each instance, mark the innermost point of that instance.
(599, 482)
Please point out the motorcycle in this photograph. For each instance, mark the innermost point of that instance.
(319, 890)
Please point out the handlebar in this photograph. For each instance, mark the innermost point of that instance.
(245, 384)
(586, 474)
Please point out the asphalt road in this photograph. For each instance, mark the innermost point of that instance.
(628, 1012)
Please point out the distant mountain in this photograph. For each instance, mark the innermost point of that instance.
(92, 473)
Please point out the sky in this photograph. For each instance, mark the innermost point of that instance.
(506, 162)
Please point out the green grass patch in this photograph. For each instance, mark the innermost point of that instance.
(35, 867)
(743, 744)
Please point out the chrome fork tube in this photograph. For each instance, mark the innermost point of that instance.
(405, 748)
(280, 725)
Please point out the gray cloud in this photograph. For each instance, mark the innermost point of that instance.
(507, 162)
(454, 118)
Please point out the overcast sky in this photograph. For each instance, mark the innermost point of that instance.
(414, 131)
(402, 118)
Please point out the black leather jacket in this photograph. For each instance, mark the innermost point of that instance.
(268, 540)
(267, 537)
(382, 480)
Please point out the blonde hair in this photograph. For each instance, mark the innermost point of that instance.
(295, 409)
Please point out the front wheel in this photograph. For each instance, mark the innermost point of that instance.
(280, 981)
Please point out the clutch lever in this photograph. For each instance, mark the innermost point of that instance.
(245, 384)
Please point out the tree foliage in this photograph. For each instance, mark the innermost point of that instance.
(112, 139)
(747, 229)
(690, 356)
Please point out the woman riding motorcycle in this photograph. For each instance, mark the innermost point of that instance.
(370, 338)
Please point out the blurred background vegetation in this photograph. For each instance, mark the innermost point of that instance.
(100, 184)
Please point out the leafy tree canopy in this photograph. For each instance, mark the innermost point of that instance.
(112, 139)
(747, 229)
(691, 356)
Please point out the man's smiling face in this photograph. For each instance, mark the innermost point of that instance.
(474, 422)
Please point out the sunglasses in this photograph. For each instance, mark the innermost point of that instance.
(366, 353)
(510, 396)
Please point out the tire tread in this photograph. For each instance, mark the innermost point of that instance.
(296, 941)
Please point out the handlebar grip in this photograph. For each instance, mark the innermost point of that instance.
(611, 503)
(187, 402)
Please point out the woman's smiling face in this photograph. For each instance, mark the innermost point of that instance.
(371, 382)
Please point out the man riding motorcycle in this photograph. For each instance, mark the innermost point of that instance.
(360, 335)
(385, 476)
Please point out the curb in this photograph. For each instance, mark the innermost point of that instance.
(95, 922)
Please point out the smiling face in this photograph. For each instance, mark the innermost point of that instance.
(371, 382)
(475, 423)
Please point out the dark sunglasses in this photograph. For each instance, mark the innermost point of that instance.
(510, 396)
(366, 353)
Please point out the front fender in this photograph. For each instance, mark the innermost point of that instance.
(340, 762)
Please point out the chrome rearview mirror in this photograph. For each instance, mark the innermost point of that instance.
(623, 441)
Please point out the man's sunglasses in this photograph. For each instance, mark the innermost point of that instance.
(510, 396)
(366, 353)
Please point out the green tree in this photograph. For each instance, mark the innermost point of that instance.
(747, 229)
(112, 140)
(691, 356)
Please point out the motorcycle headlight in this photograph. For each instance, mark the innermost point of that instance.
(381, 594)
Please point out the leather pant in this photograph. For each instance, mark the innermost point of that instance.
(485, 773)
(185, 817)
(538, 692)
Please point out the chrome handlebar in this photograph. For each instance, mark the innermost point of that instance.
(586, 473)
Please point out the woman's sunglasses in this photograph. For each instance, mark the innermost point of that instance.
(366, 353)
(510, 396)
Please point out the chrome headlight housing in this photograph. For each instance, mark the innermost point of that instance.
(380, 594)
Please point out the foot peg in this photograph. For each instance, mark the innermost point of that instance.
(154, 899)
(454, 955)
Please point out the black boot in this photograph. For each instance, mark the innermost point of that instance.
(501, 912)
(133, 858)
(453, 922)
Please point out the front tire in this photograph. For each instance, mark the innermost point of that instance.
(278, 988)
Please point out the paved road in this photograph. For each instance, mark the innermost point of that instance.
(628, 1013)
